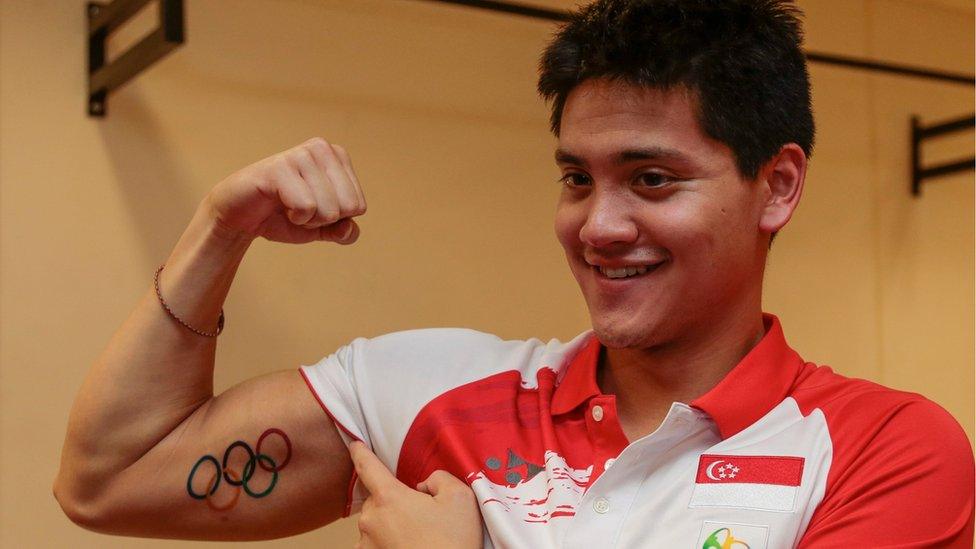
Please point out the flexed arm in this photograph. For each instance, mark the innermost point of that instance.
(135, 459)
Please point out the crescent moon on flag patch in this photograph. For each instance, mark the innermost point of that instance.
(710, 473)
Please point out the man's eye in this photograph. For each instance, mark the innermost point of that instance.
(654, 180)
(575, 179)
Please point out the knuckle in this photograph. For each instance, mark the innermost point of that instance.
(306, 205)
(330, 215)
(301, 158)
(283, 164)
(320, 148)
(348, 210)
(341, 152)
(316, 143)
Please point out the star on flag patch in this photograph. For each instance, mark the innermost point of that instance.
(769, 483)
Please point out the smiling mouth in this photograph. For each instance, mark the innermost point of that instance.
(623, 273)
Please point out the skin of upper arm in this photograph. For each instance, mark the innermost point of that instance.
(156, 496)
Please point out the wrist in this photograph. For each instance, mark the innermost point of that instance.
(207, 217)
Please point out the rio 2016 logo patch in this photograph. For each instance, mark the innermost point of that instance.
(729, 535)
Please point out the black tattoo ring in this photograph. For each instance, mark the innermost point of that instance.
(250, 457)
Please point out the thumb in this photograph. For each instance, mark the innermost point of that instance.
(344, 231)
(440, 481)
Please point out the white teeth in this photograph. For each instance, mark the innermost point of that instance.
(624, 272)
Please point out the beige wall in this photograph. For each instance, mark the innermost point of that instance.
(437, 106)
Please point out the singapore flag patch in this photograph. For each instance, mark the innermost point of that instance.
(767, 483)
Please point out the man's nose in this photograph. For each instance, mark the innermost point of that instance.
(609, 220)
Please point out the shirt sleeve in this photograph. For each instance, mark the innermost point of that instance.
(373, 388)
(332, 382)
(906, 481)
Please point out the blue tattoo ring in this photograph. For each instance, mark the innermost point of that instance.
(249, 472)
(193, 471)
(250, 457)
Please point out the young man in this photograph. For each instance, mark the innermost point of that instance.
(682, 419)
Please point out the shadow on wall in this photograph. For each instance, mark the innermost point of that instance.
(147, 173)
(160, 192)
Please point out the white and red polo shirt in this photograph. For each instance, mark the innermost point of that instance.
(781, 453)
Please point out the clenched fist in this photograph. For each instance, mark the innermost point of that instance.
(309, 192)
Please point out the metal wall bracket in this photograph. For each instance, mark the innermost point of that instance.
(105, 18)
(920, 133)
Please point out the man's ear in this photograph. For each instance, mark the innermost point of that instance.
(782, 177)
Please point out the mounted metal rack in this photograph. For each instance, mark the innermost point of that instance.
(105, 18)
(920, 133)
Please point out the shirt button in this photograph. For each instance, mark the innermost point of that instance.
(608, 463)
(601, 505)
(597, 413)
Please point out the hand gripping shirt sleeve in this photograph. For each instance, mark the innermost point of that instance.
(373, 388)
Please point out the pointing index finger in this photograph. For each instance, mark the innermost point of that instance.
(374, 474)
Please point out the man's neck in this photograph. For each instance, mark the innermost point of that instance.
(647, 381)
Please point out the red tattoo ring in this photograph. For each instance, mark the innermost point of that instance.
(257, 450)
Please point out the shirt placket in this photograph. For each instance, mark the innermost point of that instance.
(606, 435)
(601, 514)
(605, 505)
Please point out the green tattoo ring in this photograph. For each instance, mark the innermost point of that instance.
(249, 472)
(193, 472)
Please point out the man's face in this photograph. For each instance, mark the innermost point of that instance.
(645, 187)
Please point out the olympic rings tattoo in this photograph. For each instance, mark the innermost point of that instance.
(210, 489)
(222, 472)
(250, 458)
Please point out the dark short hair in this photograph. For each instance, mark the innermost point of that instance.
(741, 59)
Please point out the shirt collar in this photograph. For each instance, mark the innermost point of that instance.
(759, 382)
(578, 384)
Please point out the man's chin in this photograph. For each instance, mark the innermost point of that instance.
(621, 334)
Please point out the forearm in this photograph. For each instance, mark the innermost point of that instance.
(154, 371)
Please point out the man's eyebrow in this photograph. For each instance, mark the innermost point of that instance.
(651, 153)
(628, 155)
(565, 157)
